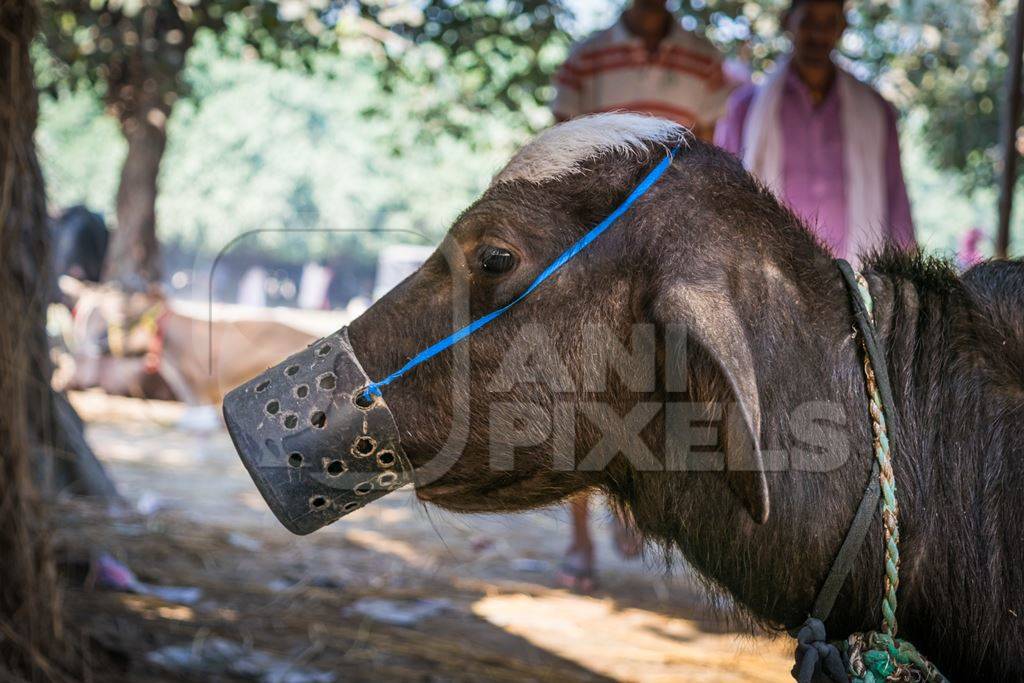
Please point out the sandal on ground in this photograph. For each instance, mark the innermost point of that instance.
(576, 572)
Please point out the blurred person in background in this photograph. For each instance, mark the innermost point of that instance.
(970, 251)
(252, 290)
(313, 285)
(823, 141)
(644, 63)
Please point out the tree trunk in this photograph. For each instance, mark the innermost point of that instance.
(134, 258)
(30, 634)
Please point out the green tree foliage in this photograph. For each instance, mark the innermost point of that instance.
(505, 50)
(420, 84)
(282, 150)
(497, 56)
(944, 60)
(947, 60)
(118, 46)
(261, 150)
(133, 54)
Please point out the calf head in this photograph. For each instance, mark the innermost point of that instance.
(525, 412)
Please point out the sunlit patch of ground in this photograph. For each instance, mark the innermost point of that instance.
(503, 618)
(634, 644)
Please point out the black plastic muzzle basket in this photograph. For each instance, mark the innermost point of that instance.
(316, 450)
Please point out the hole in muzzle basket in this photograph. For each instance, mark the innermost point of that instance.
(363, 400)
(363, 446)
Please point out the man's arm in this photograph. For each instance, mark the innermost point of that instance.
(713, 105)
(901, 223)
(729, 131)
(568, 92)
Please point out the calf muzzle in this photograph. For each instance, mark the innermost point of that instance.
(315, 445)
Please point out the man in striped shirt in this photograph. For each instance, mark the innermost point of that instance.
(644, 63)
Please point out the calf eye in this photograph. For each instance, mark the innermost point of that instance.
(496, 260)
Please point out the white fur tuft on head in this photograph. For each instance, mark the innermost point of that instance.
(561, 150)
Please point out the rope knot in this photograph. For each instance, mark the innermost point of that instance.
(872, 657)
(878, 657)
(817, 660)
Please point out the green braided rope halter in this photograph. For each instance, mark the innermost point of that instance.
(889, 506)
(875, 657)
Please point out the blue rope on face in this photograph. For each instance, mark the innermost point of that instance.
(373, 389)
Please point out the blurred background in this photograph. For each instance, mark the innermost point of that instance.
(225, 181)
(375, 117)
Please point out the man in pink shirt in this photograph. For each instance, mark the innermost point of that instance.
(822, 140)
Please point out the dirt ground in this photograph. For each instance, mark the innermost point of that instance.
(395, 591)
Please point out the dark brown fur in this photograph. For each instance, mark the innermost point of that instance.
(708, 233)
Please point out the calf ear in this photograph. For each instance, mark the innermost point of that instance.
(711, 324)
